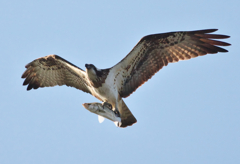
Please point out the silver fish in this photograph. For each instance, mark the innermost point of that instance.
(103, 111)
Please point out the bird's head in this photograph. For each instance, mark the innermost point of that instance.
(91, 69)
(90, 66)
(92, 72)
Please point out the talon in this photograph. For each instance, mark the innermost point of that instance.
(107, 105)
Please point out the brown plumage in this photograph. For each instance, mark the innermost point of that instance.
(155, 51)
(53, 70)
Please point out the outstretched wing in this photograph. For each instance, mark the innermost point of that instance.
(155, 51)
(53, 70)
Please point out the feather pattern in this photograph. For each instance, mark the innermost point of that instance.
(151, 54)
(155, 51)
(53, 70)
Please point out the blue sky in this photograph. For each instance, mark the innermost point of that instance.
(187, 113)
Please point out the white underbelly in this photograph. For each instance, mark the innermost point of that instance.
(107, 93)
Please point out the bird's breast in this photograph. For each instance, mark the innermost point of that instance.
(107, 92)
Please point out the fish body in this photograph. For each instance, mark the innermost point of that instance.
(103, 111)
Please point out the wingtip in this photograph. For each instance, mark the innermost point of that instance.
(226, 36)
(29, 87)
(211, 30)
(206, 31)
(226, 44)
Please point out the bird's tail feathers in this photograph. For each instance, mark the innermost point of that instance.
(127, 118)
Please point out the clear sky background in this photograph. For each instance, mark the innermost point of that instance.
(188, 113)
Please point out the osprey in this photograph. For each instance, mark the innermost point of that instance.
(110, 85)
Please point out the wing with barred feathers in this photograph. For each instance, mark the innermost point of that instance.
(53, 70)
(155, 51)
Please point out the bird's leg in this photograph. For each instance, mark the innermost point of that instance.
(108, 105)
(116, 111)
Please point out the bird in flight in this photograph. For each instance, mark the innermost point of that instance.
(110, 85)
